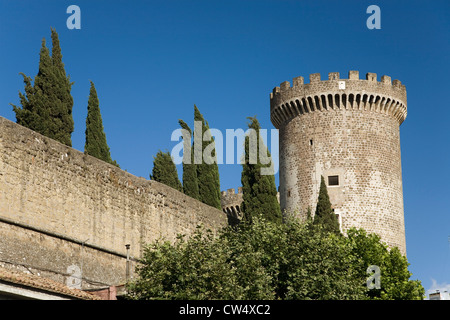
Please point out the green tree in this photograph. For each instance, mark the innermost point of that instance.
(198, 269)
(320, 266)
(190, 181)
(324, 214)
(34, 113)
(207, 170)
(395, 283)
(165, 171)
(262, 260)
(62, 107)
(308, 214)
(266, 260)
(96, 144)
(258, 187)
(47, 104)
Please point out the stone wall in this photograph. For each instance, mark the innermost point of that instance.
(59, 207)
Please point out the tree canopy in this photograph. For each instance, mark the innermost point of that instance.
(266, 260)
(47, 104)
(207, 170)
(258, 187)
(190, 180)
(165, 171)
(95, 143)
(324, 214)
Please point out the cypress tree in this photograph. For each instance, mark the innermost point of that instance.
(34, 113)
(308, 214)
(47, 104)
(324, 214)
(165, 171)
(63, 101)
(259, 190)
(190, 182)
(207, 173)
(95, 144)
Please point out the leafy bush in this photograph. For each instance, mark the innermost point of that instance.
(265, 260)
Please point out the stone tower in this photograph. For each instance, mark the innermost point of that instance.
(231, 202)
(346, 130)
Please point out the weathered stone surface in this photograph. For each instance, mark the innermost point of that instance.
(63, 201)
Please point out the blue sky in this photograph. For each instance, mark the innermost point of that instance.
(151, 61)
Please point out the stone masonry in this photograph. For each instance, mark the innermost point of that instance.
(231, 202)
(63, 211)
(346, 130)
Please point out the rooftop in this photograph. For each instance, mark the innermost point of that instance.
(30, 286)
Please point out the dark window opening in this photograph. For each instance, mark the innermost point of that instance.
(310, 142)
(333, 180)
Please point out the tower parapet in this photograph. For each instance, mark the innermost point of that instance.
(385, 96)
(231, 202)
(346, 130)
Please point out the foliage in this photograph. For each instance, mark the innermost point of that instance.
(395, 283)
(165, 171)
(259, 190)
(62, 109)
(266, 260)
(324, 214)
(207, 170)
(47, 104)
(96, 144)
(190, 181)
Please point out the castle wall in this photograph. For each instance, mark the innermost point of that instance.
(56, 202)
(347, 129)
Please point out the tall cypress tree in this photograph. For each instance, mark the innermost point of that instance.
(47, 104)
(63, 101)
(96, 144)
(165, 171)
(34, 113)
(190, 181)
(324, 214)
(207, 170)
(259, 190)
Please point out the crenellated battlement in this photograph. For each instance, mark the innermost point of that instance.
(385, 96)
(231, 192)
(315, 78)
(231, 202)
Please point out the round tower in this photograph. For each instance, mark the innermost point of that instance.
(346, 130)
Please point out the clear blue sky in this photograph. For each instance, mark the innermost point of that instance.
(151, 61)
